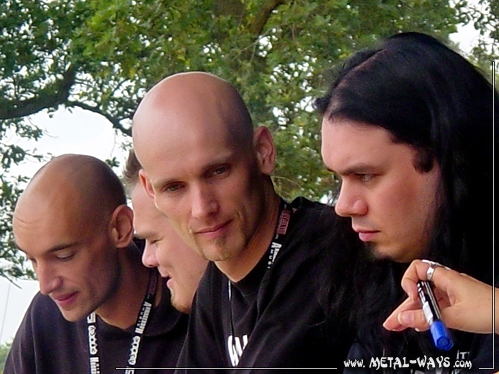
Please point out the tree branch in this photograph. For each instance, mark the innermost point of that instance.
(116, 122)
(48, 97)
(259, 21)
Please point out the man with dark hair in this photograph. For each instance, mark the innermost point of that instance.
(98, 308)
(408, 127)
(258, 304)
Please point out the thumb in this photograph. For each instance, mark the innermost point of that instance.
(392, 323)
(414, 319)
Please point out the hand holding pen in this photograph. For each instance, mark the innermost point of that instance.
(464, 302)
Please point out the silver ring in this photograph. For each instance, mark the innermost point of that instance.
(431, 269)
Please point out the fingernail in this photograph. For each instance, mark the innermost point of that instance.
(406, 319)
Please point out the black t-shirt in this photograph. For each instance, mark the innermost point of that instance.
(46, 343)
(274, 317)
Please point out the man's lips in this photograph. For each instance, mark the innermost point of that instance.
(214, 231)
(366, 235)
(166, 278)
(65, 300)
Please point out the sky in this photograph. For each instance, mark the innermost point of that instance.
(83, 132)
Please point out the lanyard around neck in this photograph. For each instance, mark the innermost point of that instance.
(281, 229)
(280, 233)
(140, 326)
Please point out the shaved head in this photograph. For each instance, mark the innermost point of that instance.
(83, 182)
(200, 97)
(207, 168)
(72, 222)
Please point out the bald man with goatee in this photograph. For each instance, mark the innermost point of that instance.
(98, 308)
(209, 171)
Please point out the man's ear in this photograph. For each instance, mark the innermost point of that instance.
(265, 149)
(146, 183)
(122, 226)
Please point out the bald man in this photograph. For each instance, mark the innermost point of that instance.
(208, 171)
(180, 267)
(98, 308)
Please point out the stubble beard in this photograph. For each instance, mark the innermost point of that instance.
(177, 305)
(224, 251)
(374, 255)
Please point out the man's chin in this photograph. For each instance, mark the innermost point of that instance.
(73, 316)
(375, 253)
(181, 307)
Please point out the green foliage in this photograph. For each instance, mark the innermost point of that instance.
(12, 265)
(485, 16)
(102, 55)
(4, 351)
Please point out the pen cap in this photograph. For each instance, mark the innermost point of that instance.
(441, 336)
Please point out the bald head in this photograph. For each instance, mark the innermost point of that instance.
(74, 226)
(184, 102)
(83, 183)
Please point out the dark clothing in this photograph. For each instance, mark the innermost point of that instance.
(46, 343)
(274, 317)
(470, 354)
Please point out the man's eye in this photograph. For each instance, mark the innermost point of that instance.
(220, 170)
(172, 188)
(366, 177)
(65, 256)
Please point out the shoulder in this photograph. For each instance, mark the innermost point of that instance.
(316, 217)
(212, 278)
(317, 227)
(165, 319)
(212, 287)
(42, 310)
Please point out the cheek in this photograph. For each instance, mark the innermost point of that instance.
(177, 211)
(407, 203)
(162, 257)
(161, 203)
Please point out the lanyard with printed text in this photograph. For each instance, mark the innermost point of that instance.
(280, 232)
(140, 326)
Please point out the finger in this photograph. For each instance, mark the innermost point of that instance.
(414, 319)
(415, 272)
(418, 270)
(392, 322)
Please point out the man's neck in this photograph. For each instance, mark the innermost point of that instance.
(122, 309)
(237, 269)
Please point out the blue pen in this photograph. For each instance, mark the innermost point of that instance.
(439, 332)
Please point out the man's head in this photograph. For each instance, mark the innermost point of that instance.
(391, 203)
(205, 166)
(406, 126)
(72, 223)
(164, 249)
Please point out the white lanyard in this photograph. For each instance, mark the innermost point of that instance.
(140, 325)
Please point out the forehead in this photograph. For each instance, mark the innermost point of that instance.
(48, 227)
(193, 127)
(348, 143)
(189, 151)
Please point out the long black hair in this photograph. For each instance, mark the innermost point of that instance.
(428, 96)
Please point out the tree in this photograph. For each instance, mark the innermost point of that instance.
(4, 351)
(102, 55)
(484, 15)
